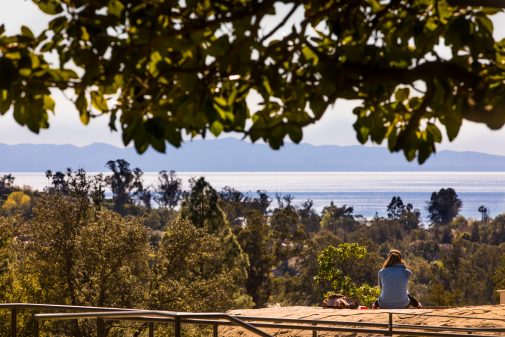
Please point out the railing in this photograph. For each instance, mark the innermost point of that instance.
(15, 307)
(250, 323)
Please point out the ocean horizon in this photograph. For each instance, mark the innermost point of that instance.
(368, 193)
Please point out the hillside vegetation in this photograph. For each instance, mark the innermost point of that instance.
(159, 247)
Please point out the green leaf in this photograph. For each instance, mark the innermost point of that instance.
(13, 55)
(82, 106)
(58, 23)
(310, 55)
(84, 116)
(485, 22)
(84, 34)
(27, 32)
(98, 101)
(435, 132)
(173, 135)
(154, 127)
(25, 72)
(402, 94)
(318, 106)
(50, 7)
(48, 103)
(141, 145)
(35, 61)
(295, 133)
(444, 11)
(392, 138)
(431, 24)
(266, 85)
(158, 144)
(410, 153)
(5, 101)
(216, 128)
(153, 65)
(376, 6)
(424, 152)
(115, 7)
(453, 128)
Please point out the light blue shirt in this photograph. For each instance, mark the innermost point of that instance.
(393, 282)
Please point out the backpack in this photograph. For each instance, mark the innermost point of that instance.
(340, 302)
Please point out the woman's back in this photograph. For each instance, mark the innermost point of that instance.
(393, 282)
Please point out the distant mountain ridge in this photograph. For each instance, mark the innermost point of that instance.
(234, 155)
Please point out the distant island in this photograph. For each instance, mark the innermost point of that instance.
(233, 155)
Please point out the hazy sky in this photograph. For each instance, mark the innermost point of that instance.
(334, 128)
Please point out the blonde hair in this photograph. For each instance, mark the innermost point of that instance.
(394, 257)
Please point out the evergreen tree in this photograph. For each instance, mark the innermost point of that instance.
(201, 207)
(443, 206)
(256, 242)
(191, 272)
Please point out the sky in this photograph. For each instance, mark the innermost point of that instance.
(335, 128)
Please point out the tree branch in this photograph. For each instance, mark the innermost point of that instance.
(478, 3)
(426, 71)
(282, 23)
(239, 15)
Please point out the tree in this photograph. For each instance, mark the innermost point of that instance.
(168, 190)
(309, 217)
(396, 208)
(406, 214)
(123, 182)
(71, 253)
(255, 239)
(165, 69)
(77, 184)
(202, 208)
(484, 213)
(334, 218)
(443, 206)
(191, 273)
(499, 275)
(6, 185)
(335, 264)
(261, 202)
(287, 232)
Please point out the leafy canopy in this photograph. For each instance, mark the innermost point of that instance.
(162, 68)
(332, 264)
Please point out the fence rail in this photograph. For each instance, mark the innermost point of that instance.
(255, 325)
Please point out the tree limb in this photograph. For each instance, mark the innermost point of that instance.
(478, 3)
(282, 23)
(425, 71)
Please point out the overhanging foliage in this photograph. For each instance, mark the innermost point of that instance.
(161, 69)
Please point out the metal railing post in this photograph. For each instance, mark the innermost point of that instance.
(177, 326)
(390, 325)
(151, 329)
(100, 329)
(36, 328)
(314, 332)
(215, 330)
(14, 323)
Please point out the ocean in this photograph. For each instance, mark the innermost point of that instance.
(368, 193)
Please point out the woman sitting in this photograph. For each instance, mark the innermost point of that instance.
(393, 281)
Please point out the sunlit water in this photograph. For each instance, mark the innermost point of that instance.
(368, 192)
